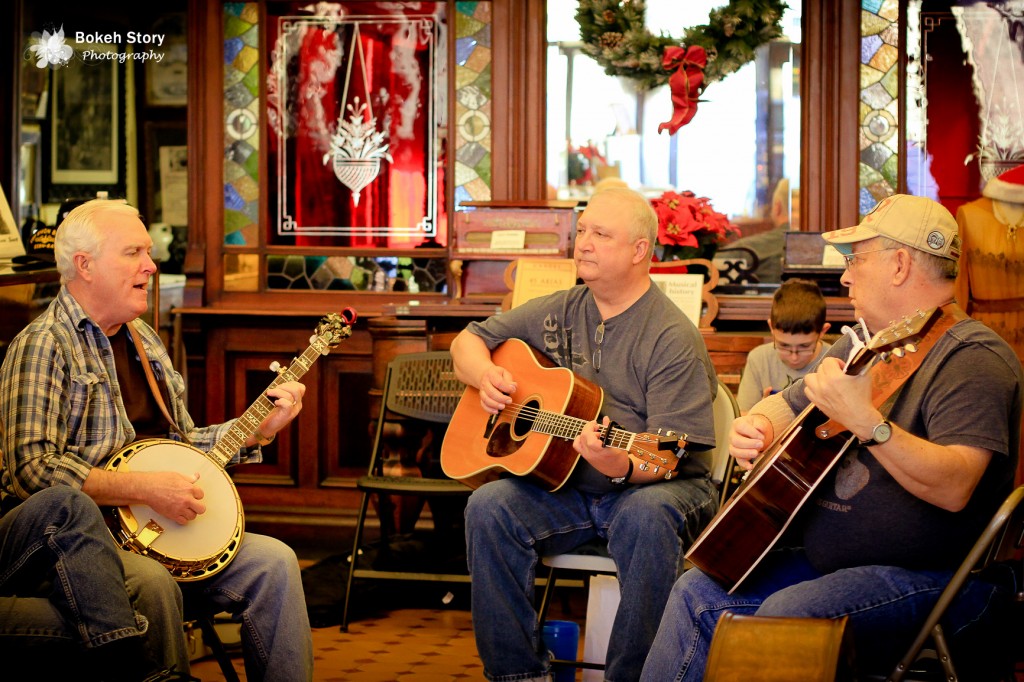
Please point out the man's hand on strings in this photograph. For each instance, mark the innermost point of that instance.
(839, 395)
(748, 437)
(496, 388)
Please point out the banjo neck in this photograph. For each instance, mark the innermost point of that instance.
(250, 420)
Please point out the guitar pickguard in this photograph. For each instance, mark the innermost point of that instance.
(502, 442)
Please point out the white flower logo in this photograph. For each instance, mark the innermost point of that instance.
(50, 49)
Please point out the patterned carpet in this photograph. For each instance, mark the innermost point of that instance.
(425, 645)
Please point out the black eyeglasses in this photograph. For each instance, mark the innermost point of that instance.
(598, 339)
(851, 258)
(799, 349)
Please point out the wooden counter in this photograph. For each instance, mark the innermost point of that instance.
(758, 308)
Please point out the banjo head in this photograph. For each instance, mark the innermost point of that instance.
(210, 538)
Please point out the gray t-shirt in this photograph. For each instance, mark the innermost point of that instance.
(765, 368)
(654, 367)
(966, 392)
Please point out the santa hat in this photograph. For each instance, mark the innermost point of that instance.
(1007, 187)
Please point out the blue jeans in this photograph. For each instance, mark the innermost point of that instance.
(62, 583)
(510, 523)
(262, 589)
(886, 606)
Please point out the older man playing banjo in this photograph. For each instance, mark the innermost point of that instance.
(74, 391)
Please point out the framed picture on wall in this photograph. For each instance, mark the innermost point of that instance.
(85, 144)
(10, 240)
(167, 79)
(29, 170)
(166, 164)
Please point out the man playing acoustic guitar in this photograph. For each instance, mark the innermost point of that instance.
(74, 390)
(931, 455)
(622, 333)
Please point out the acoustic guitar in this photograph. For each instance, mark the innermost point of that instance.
(789, 470)
(208, 543)
(532, 436)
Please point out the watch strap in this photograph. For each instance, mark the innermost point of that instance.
(624, 479)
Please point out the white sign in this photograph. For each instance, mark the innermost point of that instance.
(508, 240)
(684, 290)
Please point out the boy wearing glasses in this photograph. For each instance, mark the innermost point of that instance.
(797, 325)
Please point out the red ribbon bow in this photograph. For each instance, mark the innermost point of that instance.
(685, 83)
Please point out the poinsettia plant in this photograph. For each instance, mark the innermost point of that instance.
(688, 226)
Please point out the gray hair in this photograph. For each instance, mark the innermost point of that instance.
(643, 222)
(82, 231)
(939, 267)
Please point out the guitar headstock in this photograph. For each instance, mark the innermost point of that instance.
(335, 327)
(898, 332)
(895, 338)
(663, 452)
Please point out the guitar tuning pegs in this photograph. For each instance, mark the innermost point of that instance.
(644, 466)
(899, 352)
(275, 367)
(911, 347)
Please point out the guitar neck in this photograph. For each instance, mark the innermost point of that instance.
(250, 420)
(564, 426)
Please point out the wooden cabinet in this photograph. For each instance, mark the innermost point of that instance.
(307, 475)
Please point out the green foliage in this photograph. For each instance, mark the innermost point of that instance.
(614, 34)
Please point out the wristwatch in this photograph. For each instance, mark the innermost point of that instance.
(624, 479)
(880, 434)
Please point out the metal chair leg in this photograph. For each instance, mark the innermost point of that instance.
(353, 559)
(212, 639)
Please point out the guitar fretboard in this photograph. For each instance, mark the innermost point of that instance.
(250, 420)
(565, 426)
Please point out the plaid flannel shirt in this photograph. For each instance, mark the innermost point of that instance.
(61, 405)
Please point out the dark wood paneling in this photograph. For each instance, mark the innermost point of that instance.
(206, 148)
(308, 473)
(829, 115)
(519, 102)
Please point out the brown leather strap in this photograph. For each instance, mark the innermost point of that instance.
(153, 387)
(888, 377)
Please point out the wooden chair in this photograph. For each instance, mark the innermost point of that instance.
(417, 387)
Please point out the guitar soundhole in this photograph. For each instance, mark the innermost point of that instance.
(523, 423)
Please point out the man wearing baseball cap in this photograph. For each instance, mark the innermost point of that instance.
(882, 533)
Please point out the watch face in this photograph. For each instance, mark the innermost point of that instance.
(882, 432)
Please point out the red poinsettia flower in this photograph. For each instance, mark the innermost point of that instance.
(688, 226)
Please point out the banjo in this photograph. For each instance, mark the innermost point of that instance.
(207, 544)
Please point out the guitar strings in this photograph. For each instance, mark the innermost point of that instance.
(619, 438)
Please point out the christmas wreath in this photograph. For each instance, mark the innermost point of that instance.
(614, 34)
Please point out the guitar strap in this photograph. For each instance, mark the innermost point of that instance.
(153, 387)
(887, 378)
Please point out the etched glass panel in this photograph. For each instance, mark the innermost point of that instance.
(356, 118)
